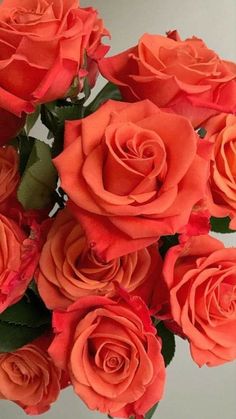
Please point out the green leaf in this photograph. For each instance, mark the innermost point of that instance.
(39, 179)
(202, 132)
(25, 145)
(151, 412)
(168, 342)
(29, 311)
(86, 89)
(73, 89)
(109, 91)
(13, 337)
(48, 117)
(68, 113)
(23, 322)
(33, 287)
(221, 225)
(31, 119)
(167, 243)
(54, 115)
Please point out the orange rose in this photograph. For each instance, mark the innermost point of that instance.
(111, 354)
(201, 279)
(18, 260)
(9, 174)
(68, 269)
(221, 130)
(132, 173)
(46, 42)
(29, 378)
(184, 76)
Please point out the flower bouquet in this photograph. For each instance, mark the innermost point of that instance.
(105, 246)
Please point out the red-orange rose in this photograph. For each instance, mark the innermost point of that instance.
(45, 42)
(10, 125)
(29, 378)
(201, 279)
(132, 173)
(221, 130)
(68, 269)
(111, 354)
(184, 76)
(18, 260)
(9, 173)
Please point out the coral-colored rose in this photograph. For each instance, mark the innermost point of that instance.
(18, 260)
(10, 125)
(9, 173)
(221, 130)
(29, 378)
(45, 41)
(201, 279)
(184, 76)
(69, 269)
(132, 173)
(112, 355)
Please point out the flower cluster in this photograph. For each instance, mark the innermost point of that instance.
(106, 250)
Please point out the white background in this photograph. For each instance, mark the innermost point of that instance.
(191, 393)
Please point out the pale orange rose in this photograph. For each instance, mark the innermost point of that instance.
(200, 276)
(221, 130)
(69, 269)
(9, 174)
(111, 353)
(29, 378)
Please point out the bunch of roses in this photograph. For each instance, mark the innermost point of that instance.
(129, 249)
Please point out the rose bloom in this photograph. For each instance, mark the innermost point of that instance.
(111, 353)
(9, 174)
(132, 173)
(29, 378)
(69, 269)
(184, 76)
(18, 260)
(45, 42)
(221, 130)
(10, 125)
(201, 278)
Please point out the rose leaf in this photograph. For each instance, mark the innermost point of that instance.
(32, 119)
(39, 179)
(13, 336)
(220, 225)
(151, 412)
(109, 91)
(29, 311)
(168, 342)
